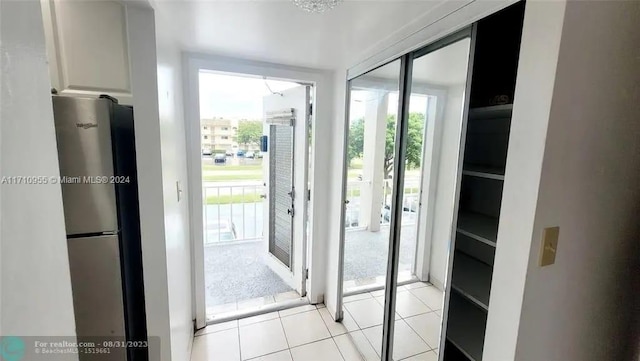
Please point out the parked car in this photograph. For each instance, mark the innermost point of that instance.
(220, 158)
(207, 151)
(351, 216)
(386, 213)
(250, 155)
(410, 204)
(259, 155)
(220, 231)
(240, 153)
(229, 153)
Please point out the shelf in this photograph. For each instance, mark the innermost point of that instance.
(472, 279)
(479, 227)
(462, 353)
(466, 327)
(484, 172)
(491, 112)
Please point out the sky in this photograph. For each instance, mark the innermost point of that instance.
(235, 97)
(417, 104)
(238, 97)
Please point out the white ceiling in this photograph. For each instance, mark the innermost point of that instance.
(278, 31)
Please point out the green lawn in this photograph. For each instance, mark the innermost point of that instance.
(353, 173)
(223, 168)
(408, 190)
(356, 163)
(229, 176)
(235, 199)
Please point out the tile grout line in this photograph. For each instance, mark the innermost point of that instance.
(284, 332)
(279, 318)
(308, 343)
(327, 326)
(353, 318)
(338, 348)
(369, 341)
(420, 353)
(418, 298)
(239, 342)
(416, 332)
(266, 354)
(348, 334)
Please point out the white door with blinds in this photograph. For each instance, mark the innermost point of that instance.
(285, 167)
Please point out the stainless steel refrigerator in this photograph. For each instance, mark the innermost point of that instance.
(96, 150)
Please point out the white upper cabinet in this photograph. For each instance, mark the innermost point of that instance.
(87, 47)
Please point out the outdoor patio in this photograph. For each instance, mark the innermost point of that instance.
(237, 276)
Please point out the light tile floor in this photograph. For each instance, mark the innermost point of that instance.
(308, 333)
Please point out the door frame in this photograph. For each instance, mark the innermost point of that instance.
(321, 92)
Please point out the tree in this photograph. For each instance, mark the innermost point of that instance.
(415, 134)
(249, 132)
(356, 140)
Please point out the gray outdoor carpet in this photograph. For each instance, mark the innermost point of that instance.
(365, 253)
(237, 272)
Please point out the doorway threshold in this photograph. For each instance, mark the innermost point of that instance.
(278, 306)
(377, 287)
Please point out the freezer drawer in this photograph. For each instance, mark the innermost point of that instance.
(96, 283)
(84, 152)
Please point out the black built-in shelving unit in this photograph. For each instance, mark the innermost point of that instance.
(497, 44)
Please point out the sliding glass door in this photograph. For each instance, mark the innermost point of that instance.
(405, 126)
(373, 114)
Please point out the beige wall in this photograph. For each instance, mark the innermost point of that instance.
(574, 162)
(582, 307)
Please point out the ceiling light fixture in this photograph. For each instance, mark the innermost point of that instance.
(316, 6)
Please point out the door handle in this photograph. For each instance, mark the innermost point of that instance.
(290, 212)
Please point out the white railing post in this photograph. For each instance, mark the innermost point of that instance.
(225, 210)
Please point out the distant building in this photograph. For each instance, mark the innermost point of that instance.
(219, 135)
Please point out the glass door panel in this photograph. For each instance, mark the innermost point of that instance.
(434, 125)
(370, 160)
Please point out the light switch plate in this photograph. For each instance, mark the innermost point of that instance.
(549, 246)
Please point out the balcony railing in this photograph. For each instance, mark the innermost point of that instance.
(235, 212)
(410, 202)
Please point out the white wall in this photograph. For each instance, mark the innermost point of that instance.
(174, 169)
(143, 62)
(574, 162)
(36, 286)
(582, 307)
